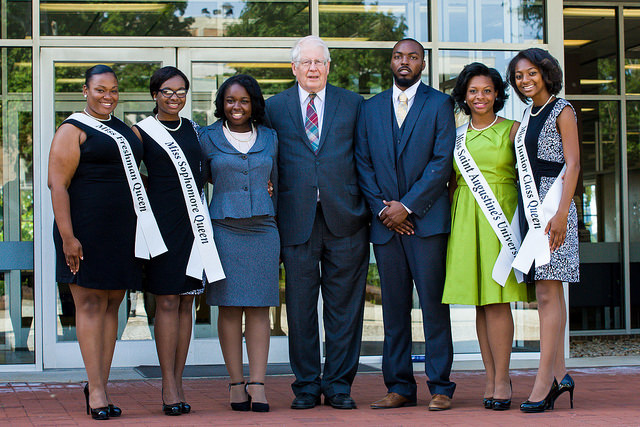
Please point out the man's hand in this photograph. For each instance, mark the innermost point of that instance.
(394, 217)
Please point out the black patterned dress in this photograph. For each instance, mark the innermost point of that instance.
(544, 148)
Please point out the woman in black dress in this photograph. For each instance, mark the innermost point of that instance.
(166, 274)
(95, 226)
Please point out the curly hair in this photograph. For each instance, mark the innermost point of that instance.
(253, 89)
(549, 69)
(472, 70)
(160, 76)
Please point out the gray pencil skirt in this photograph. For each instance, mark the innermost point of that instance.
(249, 250)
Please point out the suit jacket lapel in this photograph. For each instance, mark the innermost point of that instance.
(295, 111)
(331, 103)
(412, 118)
(386, 115)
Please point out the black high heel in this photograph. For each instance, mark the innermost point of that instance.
(256, 406)
(240, 406)
(114, 411)
(546, 403)
(502, 404)
(487, 402)
(96, 413)
(567, 384)
(171, 409)
(185, 407)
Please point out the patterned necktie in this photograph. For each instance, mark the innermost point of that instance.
(402, 109)
(311, 123)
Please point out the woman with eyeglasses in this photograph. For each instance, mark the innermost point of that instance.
(172, 157)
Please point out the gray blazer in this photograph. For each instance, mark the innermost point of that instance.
(240, 180)
(332, 169)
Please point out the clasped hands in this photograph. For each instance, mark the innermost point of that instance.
(395, 218)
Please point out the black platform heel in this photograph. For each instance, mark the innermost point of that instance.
(567, 384)
(171, 409)
(502, 404)
(185, 407)
(256, 406)
(240, 406)
(96, 413)
(547, 403)
(487, 402)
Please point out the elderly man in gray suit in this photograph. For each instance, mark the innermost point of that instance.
(323, 223)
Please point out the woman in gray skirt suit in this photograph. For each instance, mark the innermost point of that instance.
(240, 155)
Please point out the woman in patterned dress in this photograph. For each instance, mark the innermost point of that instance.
(551, 141)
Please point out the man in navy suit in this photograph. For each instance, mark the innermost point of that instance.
(404, 154)
(322, 218)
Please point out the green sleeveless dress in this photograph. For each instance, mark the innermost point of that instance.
(473, 246)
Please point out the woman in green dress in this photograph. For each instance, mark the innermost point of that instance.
(484, 200)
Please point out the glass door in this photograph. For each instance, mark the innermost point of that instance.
(62, 73)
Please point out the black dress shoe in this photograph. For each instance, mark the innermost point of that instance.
(340, 401)
(305, 401)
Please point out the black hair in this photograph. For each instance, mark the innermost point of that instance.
(96, 70)
(548, 65)
(160, 76)
(252, 88)
(409, 39)
(459, 93)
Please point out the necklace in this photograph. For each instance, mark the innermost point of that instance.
(541, 108)
(226, 124)
(167, 127)
(480, 130)
(97, 118)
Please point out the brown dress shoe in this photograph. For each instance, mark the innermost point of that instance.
(439, 402)
(392, 400)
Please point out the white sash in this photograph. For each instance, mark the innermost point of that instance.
(148, 238)
(490, 207)
(535, 245)
(204, 254)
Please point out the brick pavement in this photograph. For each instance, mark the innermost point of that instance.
(604, 396)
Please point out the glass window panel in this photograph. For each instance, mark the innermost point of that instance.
(374, 20)
(633, 159)
(16, 19)
(285, 18)
(591, 45)
(17, 326)
(598, 302)
(511, 21)
(632, 51)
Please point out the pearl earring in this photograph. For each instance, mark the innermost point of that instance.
(85, 95)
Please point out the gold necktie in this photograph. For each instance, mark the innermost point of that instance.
(403, 108)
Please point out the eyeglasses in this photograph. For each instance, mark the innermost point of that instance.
(168, 93)
(306, 63)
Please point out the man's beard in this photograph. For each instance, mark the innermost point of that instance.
(404, 81)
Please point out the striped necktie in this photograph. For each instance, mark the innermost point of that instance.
(402, 109)
(311, 123)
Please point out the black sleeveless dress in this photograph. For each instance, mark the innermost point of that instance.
(102, 214)
(166, 273)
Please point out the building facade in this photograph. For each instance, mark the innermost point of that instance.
(45, 46)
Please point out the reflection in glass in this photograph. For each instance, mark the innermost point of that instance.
(590, 44)
(364, 71)
(515, 21)
(174, 18)
(597, 302)
(374, 20)
(632, 51)
(16, 19)
(633, 160)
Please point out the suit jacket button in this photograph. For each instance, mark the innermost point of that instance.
(245, 172)
(317, 163)
(245, 188)
(244, 157)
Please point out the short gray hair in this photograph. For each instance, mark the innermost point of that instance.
(309, 41)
